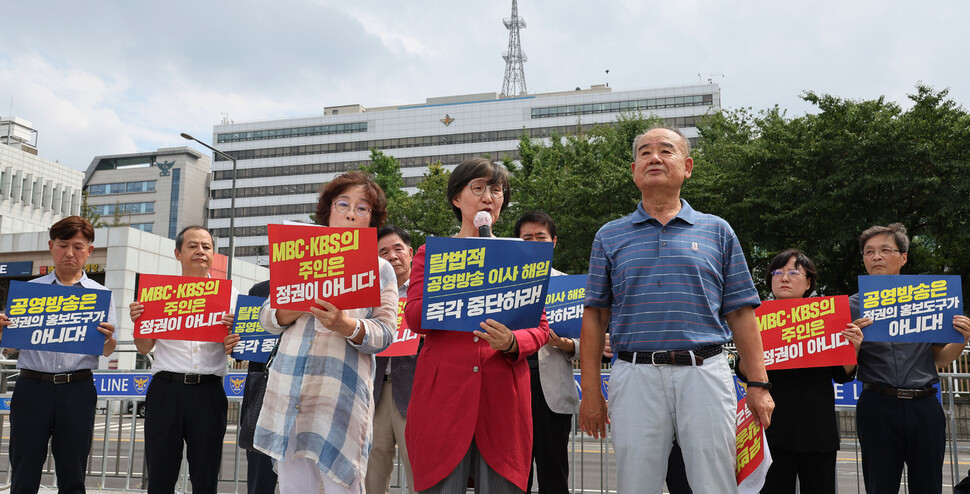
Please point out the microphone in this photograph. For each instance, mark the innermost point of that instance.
(483, 220)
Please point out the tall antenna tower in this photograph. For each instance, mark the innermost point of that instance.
(514, 72)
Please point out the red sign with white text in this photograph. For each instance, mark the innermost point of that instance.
(805, 332)
(405, 341)
(182, 307)
(308, 262)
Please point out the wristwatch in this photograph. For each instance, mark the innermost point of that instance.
(760, 384)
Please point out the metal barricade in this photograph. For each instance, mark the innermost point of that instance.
(116, 461)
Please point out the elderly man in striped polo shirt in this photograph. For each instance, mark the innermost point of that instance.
(673, 285)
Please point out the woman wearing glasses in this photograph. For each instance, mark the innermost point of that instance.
(804, 436)
(470, 412)
(317, 411)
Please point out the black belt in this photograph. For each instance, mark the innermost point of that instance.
(180, 378)
(901, 393)
(58, 378)
(672, 357)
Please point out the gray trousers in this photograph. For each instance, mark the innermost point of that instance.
(487, 481)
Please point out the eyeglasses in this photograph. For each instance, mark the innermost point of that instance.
(343, 206)
(794, 273)
(883, 252)
(478, 188)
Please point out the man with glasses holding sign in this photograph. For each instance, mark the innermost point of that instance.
(898, 417)
(55, 397)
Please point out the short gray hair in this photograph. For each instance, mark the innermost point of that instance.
(664, 127)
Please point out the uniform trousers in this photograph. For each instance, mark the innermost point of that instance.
(550, 442)
(42, 412)
(193, 413)
(650, 405)
(389, 427)
(893, 431)
(815, 472)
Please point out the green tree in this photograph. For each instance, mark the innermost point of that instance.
(581, 180)
(117, 218)
(387, 173)
(816, 181)
(427, 210)
(90, 212)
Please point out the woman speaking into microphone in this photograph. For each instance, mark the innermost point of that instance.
(470, 412)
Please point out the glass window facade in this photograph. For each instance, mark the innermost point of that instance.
(410, 142)
(126, 208)
(121, 188)
(314, 130)
(623, 106)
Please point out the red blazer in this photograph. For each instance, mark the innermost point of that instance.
(452, 401)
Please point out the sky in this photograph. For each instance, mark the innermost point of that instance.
(101, 77)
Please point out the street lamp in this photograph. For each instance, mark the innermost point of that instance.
(232, 203)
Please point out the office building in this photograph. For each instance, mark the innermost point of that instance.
(34, 192)
(158, 192)
(283, 163)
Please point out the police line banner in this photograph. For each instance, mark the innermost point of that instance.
(182, 307)
(55, 318)
(753, 457)
(564, 304)
(338, 265)
(134, 384)
(255, 343)
(405, 341)
(911, 308)
(805, 332)
(469, 280)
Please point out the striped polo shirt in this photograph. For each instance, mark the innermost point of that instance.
(669, 286)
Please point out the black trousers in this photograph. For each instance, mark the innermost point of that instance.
(893, 431)
(260, 477)
(815, 472)
(677, 472)
(550, 440)
(61, 414)
(193, 413)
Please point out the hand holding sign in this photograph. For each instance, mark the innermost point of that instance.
(497, 335)
(961, 323)
(333, 318)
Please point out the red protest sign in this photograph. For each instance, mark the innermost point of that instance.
(338, 265)
(182, 307)
(405, 341)
(805, 332)
(750, 440)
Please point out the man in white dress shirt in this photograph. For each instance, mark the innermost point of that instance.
(186, 400)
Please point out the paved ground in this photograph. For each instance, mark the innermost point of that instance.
(593, 470)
